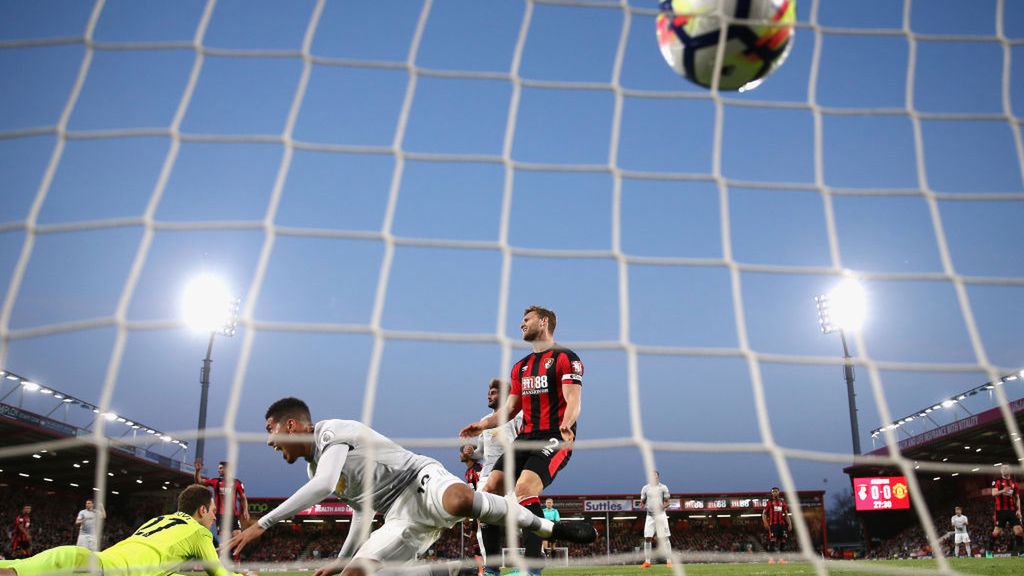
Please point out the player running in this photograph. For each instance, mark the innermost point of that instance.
(777, 521)
(655, 497)
(417, 496)
(157, 548)
(546, 386)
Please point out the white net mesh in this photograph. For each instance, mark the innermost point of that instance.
(387, 291)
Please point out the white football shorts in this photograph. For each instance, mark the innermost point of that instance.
(656, 523)
(415, 521)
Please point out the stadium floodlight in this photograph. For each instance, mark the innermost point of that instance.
(30, 386)
(208, 305)
(843, 309)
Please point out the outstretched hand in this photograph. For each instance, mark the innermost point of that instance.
(471, 430)
(239, 541)
(331, 569)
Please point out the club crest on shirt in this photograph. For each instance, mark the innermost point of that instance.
(548, 363)
(577, 367)
(326, 436)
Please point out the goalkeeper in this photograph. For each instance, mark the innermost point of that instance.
(156, 548)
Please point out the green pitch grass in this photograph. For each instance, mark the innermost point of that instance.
(979, 566)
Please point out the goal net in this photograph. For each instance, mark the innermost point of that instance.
(387, 186)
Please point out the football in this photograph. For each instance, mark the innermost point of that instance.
(758, 38)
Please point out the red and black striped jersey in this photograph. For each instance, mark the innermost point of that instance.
(775, 511)
(220, 489)
(473, 475)
(22, 521)
(1005, 501)
(538, 379)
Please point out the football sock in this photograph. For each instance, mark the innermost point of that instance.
(490, 537)
(532, 540)
(494, 509)
(647, 550)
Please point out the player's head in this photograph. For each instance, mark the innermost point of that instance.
(26, 509)
(958, 510)
(657, 476)
(89, 504)
(222, 469)
(1005, 470)
(549, 503)
(494, 394)
(538, 324)
(289, 416)
(775, 491)
(197, 501)
(466, 453)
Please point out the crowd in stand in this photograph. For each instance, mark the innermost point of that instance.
(53, 519)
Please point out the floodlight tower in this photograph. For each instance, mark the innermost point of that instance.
(843, 310)
(208, 306)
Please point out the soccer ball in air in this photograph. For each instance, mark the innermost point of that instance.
(689, 32)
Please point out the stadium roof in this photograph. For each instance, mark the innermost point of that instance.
(981, 439)
(71, 465)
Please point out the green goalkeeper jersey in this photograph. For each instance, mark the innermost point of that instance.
(160, 545)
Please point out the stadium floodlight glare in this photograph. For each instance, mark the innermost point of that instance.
(841, 310)
(30, 386)
(209, 306)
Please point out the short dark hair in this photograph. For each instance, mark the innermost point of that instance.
(495, 383)
(544, 313)
(223, 463)
(289, 407)
(193, 497)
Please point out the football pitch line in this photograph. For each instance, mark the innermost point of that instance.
(979, 566)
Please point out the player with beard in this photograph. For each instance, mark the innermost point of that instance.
(547, 386)
(1007, 512)
(490, 445)
(418, 498)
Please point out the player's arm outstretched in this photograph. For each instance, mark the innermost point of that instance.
(356, 537)
(319, 487)
(511, 407)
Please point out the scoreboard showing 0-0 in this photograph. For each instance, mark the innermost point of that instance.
(881, 493)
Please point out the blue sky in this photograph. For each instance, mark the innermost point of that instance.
(680, 294)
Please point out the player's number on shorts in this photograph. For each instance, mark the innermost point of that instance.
(145, 531)
(423, 482)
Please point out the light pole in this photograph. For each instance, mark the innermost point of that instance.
(208, 306)
(841, 310)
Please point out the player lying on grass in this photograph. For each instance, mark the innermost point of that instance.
(417, 496)
(155, 549)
